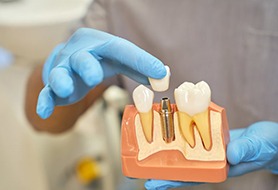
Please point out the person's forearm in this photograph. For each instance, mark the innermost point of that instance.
(64, 117)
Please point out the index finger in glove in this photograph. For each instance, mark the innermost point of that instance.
(46, 102)
(106, 46)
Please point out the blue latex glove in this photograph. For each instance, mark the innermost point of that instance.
(254, 149)
(250, 149)
(89, 57)
(164, 185)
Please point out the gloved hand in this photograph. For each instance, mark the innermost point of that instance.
(86, 60)
(164, 185)
(254, 149)
(250, 149)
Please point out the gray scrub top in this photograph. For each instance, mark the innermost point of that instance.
(232, 45)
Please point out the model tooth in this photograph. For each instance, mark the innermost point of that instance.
(161, 85)
(143, 100)
(193, 102)
(191, 98)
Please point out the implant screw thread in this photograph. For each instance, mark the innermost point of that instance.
(166, 117)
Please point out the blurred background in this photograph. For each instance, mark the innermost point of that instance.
(87, 157)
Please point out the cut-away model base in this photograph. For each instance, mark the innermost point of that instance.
(176, 160)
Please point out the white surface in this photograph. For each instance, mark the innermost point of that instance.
(32, 28)
(41, 12)
(20, 165)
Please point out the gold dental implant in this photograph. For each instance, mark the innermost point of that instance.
(166, 117)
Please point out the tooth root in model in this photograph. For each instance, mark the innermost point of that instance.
(147, 124)
(186, 127)
(193, 102)
(161, 85)
(143, 100)
(202, 123)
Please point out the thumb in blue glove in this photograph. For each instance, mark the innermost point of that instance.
(89, 57)
(254, 148)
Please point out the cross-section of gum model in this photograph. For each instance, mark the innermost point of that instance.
(184, 142)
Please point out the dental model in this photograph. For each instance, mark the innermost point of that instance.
(186, 141)
(143, 100)
(193, 102)
(161, 85)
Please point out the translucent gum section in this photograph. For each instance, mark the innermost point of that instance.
(146, 149)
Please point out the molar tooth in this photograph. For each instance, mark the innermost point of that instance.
(143, 100)
(161, 85)
(191, 98)
(193, 102)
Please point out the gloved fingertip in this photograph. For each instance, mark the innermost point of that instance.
(234, 152)
(45, 104)
(64, 92)
(61, 82)
(43, 111)
(243, 150)
(159, 71)
(50, 61)
(87, 67)
(164, 184)
(154, 185)
(147, 185)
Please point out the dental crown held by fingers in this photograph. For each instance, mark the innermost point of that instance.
(185, 141)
